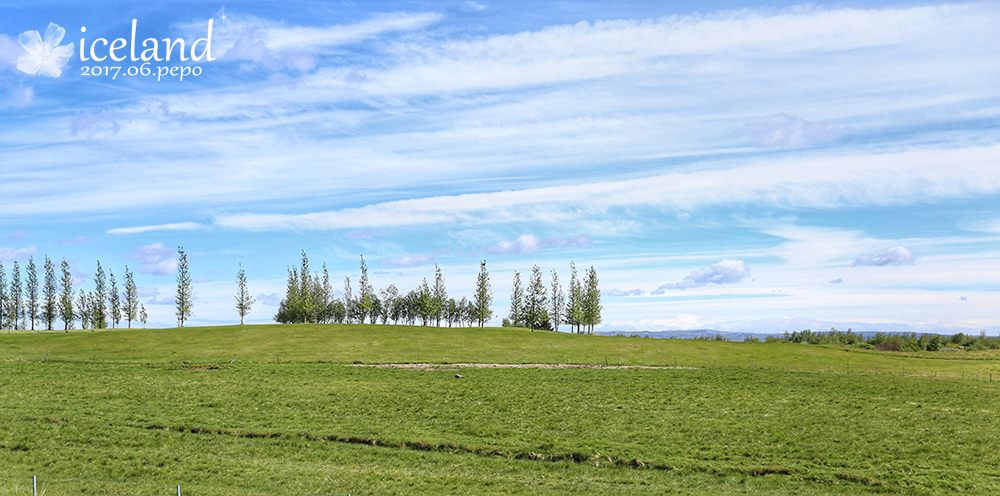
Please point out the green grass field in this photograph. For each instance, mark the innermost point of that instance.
(139, 412)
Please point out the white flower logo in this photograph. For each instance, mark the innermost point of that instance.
(44, 57)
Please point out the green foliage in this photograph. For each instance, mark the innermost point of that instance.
(183, 300)
(66, 297)
(517, 302)
(50, 295)
(114, 301)
(130, 307)
(536, 315)
(15, 299)
(911, 341)
(244, 301)
(483, 300)
(97, 311)
(32, 303)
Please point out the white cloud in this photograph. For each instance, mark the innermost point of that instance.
(153, 253)
(724, 272)
(786, 131)
(410, 260)
(260, 40)
(271, 300)
(156, 259)
(16, 97)
(603, 48)
(10, 51)
(897, 255)
(801, 182)
(9, 254)
(526, 243)
(530, 243)
(103, 123)
(74, 241)
(615, 293)
(180, 226)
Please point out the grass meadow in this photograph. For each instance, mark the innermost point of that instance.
(142, 411)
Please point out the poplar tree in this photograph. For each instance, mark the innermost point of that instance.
(32, 303)
(424, 304)
(183, 299)
(243, 299)
(305, 301)
(366, 296)
(114, 301)
(50, 306)
(349, 311)
(131, 307)
(516, 301)
(484, 297)
(326, 310)
(83, 309)
(98, 315)
(439, 300)
(390, 297)
(15, 301)
(558, 313)
(592, 299)
(3, 297)
(536, 302)
(66, 298)
(289, 308)
(574, 310)
(142, 315)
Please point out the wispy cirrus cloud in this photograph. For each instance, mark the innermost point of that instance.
(180, 226)
(897, 255)
(365, 234)
(724, 272)
(786, 131)
(530, 243)
(16, 234)
(859, 179)
(276, 44)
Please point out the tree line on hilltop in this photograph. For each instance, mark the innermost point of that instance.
(29, 303)
(309, 298)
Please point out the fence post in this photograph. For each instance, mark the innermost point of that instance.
(34, 485)
(178, 490)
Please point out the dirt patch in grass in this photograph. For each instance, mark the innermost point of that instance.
(456, 366)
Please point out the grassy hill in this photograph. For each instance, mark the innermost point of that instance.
(407, 344)
(148, 414)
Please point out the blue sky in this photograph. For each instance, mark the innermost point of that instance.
(741, 166)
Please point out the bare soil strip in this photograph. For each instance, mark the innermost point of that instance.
(456, 366)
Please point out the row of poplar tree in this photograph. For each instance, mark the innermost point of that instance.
(533, 308)
(30, 304)
(309, 298)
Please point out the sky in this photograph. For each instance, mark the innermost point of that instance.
(728, 165)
